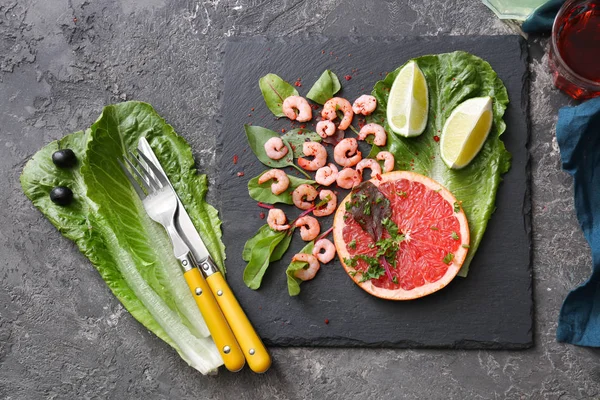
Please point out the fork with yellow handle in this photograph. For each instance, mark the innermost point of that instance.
(254, 350)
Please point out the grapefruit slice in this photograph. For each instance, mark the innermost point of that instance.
(436, 238)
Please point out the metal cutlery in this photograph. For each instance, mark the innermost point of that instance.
(256, 354)
(161, 204)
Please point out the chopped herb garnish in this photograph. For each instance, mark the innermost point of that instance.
(401, 193)
(352, 273)
(373, 272)
(378, 200)
(439, 190)
(455, 235)
(466, 246)
(434, 228)
(352, 244)
(371, 245)
(457, 206)
(351, 262)
(367, 209)
(448, 259)
(395, 280)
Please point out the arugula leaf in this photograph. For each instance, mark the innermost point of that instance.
(274, 91)
(108, 223)
(297, 137)
(293, 282)
(324, 88)
(453, 78)
(262, 192)
(369, 218)
(257, 137)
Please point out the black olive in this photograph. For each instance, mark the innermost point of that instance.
(61, 195)
(64, 158)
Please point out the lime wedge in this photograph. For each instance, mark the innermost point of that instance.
(408, 103)
(465, 131)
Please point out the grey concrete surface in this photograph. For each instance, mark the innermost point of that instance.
(63, 335)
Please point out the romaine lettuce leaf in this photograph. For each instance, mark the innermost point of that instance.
(109, 225)
(451, 79)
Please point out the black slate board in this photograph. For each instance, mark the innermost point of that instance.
(492, 308)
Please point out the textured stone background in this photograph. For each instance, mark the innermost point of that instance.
(63, 335)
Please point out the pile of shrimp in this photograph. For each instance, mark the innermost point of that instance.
(345, 173)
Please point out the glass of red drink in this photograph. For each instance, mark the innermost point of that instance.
(575, 49)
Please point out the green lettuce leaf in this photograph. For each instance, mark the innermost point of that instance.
(451, 79)
(109, 225)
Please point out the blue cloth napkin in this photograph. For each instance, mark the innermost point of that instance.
(578, 135)
(541, 20)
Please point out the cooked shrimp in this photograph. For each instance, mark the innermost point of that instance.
(303, 196)
(346, 153)
(306, 274)
(373, 129)
(275, 148)
(282, 182)
(328, 254)
(309, 227)
(371, 164)
(331, 107)
(292, 104)
(388, 160)
(329, 207)
(326, 175)
(364, 105)
(313, 149)
(277, 220)
(348, 178)
(325, 128)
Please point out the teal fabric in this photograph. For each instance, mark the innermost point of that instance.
(541, 20)
(578, 136)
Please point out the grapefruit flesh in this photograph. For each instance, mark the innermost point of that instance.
(436, 237)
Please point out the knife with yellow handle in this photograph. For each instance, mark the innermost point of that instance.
(256, 354)
(232, 355)
(257, 357)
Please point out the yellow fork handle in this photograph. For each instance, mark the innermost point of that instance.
(233, 358)
(255, 351)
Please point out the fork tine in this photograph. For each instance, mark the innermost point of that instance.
(157, 173)
(142, 177)
(133, 182)
(150, 179)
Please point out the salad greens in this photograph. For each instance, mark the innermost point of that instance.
(262, 191)
(297, 137)
(109, 225)
(324, 88)
(257, 137)
(274, 91)
(453, 78)
(293, 283)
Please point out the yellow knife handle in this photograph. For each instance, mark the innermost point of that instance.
(233, 357)
(255, 351)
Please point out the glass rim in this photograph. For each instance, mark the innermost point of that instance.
(555, 50)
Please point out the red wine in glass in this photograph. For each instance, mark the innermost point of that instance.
(575, 49)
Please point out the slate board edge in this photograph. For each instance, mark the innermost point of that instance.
(344, 342)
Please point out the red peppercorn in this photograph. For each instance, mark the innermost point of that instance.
(235, 158)
(436, 138)
(326, 321)
(347, 77)
(262, 215)
(241, 173)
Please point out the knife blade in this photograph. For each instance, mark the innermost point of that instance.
(254, 350)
